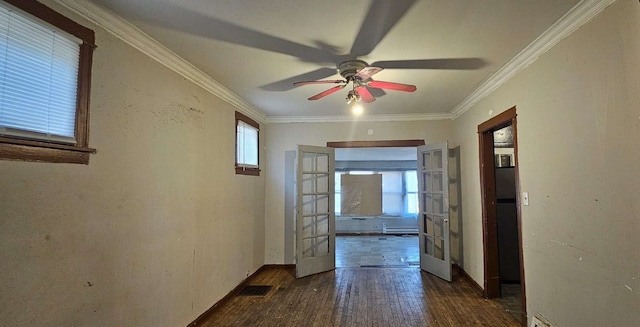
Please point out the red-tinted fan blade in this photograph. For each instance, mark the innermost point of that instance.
(337, 81)
(366, 73)
(327, 92)
(392, 86)
(365, 95)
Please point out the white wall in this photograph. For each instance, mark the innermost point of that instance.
(285, 137)
(578, 131)
(155, 230)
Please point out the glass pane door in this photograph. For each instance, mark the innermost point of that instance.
(315, 221)
(433, 192)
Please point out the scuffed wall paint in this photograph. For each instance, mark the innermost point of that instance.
(154, 231)
(578, 131)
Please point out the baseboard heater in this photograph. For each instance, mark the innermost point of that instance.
(398, 230)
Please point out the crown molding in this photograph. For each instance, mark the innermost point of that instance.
(579, 15)
(349, 118)
(141, 41)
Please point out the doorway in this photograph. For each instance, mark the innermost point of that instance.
(501, 220)
(377, 237)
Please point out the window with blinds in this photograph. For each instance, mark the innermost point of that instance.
(45, 84)
(247, 137)
(247, 145)
(38, 78)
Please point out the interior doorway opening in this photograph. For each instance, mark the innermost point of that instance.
(383, 232)
(501, 222)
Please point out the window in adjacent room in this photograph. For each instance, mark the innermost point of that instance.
(411, 192)
(338, 188)
(399, 191)
(45, 75)
(247, 135)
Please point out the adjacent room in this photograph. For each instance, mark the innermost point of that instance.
(376, 207)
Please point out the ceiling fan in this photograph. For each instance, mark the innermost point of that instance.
(381, 17)
(358, 73)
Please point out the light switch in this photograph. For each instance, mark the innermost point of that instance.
(525, 198)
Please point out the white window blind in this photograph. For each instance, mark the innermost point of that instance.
(411, 202)
(38, 78)
(338, 188)
(392, 193)
(247, 147)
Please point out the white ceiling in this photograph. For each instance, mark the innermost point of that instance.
(258, 48)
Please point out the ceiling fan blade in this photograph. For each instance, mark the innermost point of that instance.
(377, 93)
(392, 86)
(327, 92)
(366, 73)
(287, 84)
(450, 63)
(337, 81)
(365, 95)
(191, 22)
(381, 17)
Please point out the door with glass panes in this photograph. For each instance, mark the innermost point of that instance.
(433, 194)
(315, 216)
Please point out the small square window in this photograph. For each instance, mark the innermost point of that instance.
(247, 145)
(45, 76)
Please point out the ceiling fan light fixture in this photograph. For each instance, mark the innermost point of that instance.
(352, 97)
(357, 109)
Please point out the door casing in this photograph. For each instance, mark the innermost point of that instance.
(488, 196)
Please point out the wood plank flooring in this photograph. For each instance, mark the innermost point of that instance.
(359, 297)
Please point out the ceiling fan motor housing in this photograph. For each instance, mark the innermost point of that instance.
(349, 68)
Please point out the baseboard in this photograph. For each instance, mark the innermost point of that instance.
(374, 234)
(468, 278)
(234, 292)
(360, 234)
(282, 266)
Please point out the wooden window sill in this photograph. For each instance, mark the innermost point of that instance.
(27, 150)
(247, 171)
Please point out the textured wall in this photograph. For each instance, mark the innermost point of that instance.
(578, 132)
(157, 227)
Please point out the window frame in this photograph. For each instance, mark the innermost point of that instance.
(14, 148)
(240, 168)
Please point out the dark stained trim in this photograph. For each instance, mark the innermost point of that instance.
(32, 143)
(248, 171)
(519, 221)
(54, 18)
(246, 119)
(499, 121)
(489, 220)
(84, 91)
(241, 170)
(375, 144)
(464, 275)
(39, 154)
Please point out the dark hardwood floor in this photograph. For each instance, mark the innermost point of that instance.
(359, 297)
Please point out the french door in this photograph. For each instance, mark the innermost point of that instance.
(315, 216)
(433, 185)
